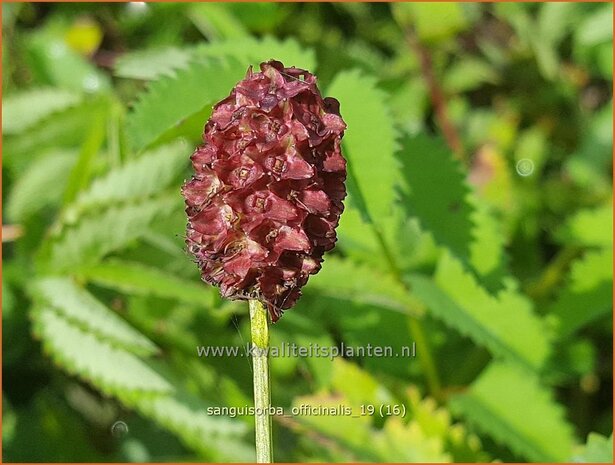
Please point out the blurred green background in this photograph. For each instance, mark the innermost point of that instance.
(478, 225)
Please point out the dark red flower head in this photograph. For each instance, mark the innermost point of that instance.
(267, 191)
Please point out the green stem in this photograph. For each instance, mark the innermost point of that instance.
(416, 328)
(259, 332)
(426, 358)
(553, 273)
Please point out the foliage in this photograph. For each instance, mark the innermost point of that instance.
(511, 421)
(492, 255)
(503, 323)
(597, 450)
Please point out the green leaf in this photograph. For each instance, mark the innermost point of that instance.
(597, 27)
(142, 385)
(156, 63)
(82, 354)
(152, 63)
(81, 308)
(359, 324)
(504, 324)
(436, 21)
(136, 278)
(588, 294)
(79, 176)
(555, 20)
(23, 110)
(488, 256)
(94, 236)
(546, 56)
(357, 385)
(222, 439)
(589, 228)
(408, 245)
(355, 439)
(369, 142)
(597, 450)
(53, 61)
(47, 174)
(532, 143)
(409, 103)
(170, 101)
(62, 130)
(346, 280)
(437, 421)
(216, 21)
(425, 434)
(509, 404)
(435, 191)
(139, 178)
(468, 74)
(355, 236)
(253, 51)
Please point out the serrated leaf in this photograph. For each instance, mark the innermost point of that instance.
(504, 324)
(139, 178)
(83, 354)
(407, 442)
(136, 278)
(140, 385)
(588, 294)
(435, 191)
(222, 439)
(369, 142)
(590, 227)
(172, 100)
(357, 385)
(425, 434)
(350, 435)
(23, 110)
(46, 174)
(346, 280)
(436, 421)
(152, 63)
(363, 242)
(597, 450)
(356, 440)
(488, 256)
(510, 405)
(254, 51)
(80, 307)
(356, 236)
(156, 63)
(359, 324)
(62, 130)
(94, 236)
(491, 175)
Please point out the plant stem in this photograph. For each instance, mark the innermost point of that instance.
(427, 361)
(553, 273)
(416, 328)
(259, 332)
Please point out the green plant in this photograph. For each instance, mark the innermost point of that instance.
(499, 270)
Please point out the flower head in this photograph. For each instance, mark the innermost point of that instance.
(267, 191)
